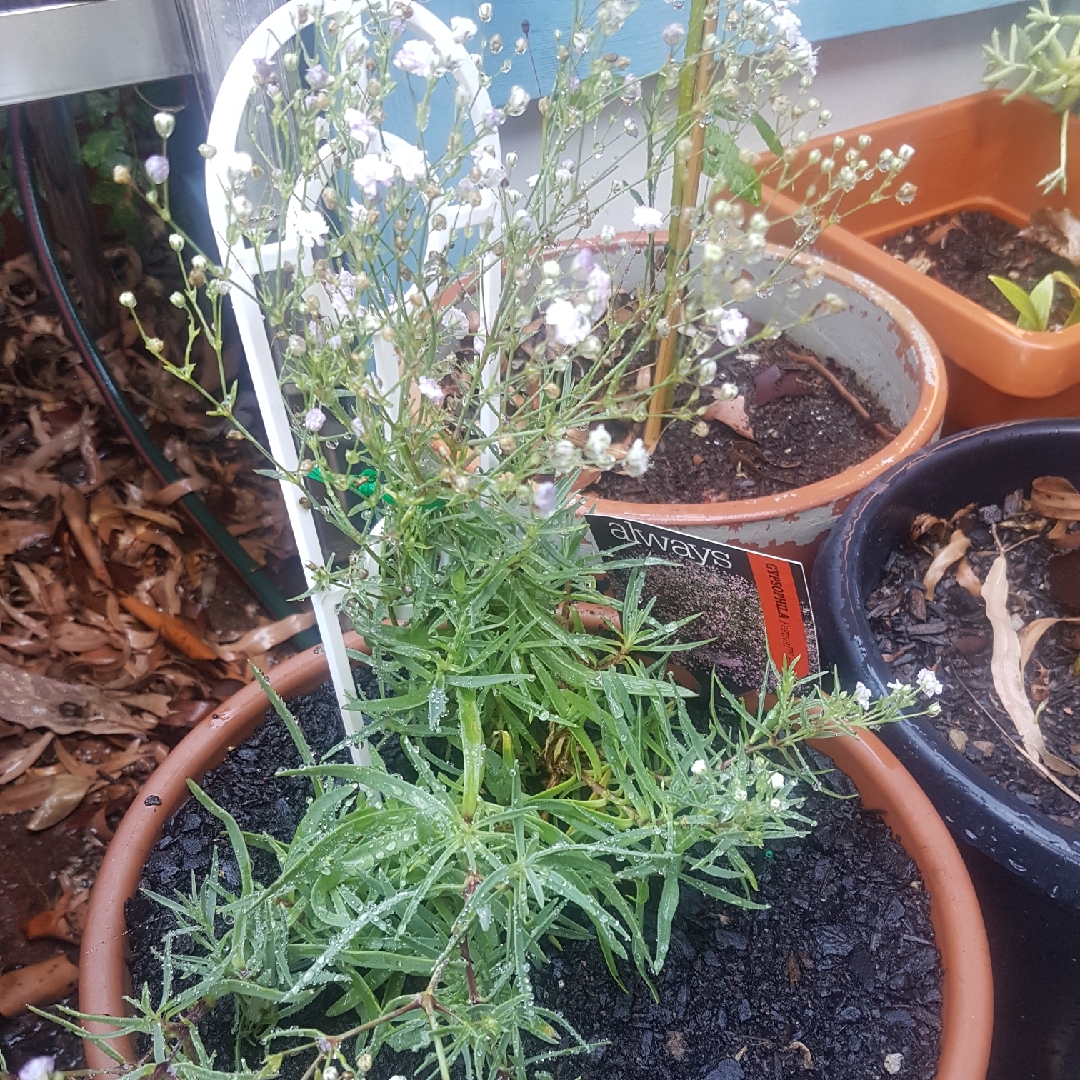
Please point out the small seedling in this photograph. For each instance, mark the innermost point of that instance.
(1034, 307)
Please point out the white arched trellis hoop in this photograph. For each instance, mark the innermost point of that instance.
(225, 133)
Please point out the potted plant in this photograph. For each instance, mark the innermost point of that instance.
(986, 166)
(550, 777)
(986, 798)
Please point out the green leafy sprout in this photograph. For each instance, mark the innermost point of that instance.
(1034, 308)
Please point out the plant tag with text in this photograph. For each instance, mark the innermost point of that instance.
(751, 608)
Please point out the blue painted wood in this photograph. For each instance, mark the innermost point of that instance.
(640, 37)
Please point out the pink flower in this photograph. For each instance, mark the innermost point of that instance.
(360, 127)
(314, 420)
(417, 58)
(431, 389)
(157, 168)
(370, 171)
(544, 499)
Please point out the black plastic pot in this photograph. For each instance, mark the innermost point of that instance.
(981, 466)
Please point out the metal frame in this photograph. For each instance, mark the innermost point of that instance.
(227, 133)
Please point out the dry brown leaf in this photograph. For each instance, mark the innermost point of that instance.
(923, 523)
(732, 414)
(1062, 538)
(172, 629)
(20, 535)
(1008, 672)
(1055, 497)
(73, 765)
(266, 637)
(1032, 634)
(1059, 230)
(27, 793)
(65, 794)
(943, 559)
(967, 578)
(179, 488)
(37, 984)
(37, 701)
(76, 638)
(13, 765)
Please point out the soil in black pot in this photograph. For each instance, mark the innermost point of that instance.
(962, 250)
(838, 974)
(952, 635)
(804, 430)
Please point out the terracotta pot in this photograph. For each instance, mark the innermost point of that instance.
(980, 466)
(881, 341)
(970, 154)
(884, 784)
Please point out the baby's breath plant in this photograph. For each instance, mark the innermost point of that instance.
(558, 783)
(1043, 58)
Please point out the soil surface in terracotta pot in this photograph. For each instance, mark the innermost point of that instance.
(962, 250)
(840, 972)
(799, 429)
(952, 634)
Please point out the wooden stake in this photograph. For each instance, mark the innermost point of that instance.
(684, 198)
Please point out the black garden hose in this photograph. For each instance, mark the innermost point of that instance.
(226, 544)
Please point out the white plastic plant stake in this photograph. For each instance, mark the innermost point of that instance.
(226, 133)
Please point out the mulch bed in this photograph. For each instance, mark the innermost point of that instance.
(839, 973)
(962, 250)
(804, 431)
(952, 634)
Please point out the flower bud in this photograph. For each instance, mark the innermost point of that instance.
(833, 304)
(127, 299)
(207, 151)
(178, 300)
(176, 242)
(164, 124)
(121, 174)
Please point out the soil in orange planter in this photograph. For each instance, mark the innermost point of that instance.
(962, 250)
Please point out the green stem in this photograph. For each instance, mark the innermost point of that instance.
(472, 748)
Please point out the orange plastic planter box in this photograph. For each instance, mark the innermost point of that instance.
(973, 153)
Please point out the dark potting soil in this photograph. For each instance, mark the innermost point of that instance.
(807, 434)
(839, 973)
(952, 634)
(962, 250)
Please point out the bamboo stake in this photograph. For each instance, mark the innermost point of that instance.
(684, 197)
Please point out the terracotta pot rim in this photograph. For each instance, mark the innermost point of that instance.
(967, 986)
(923, 425)
(1037, 365)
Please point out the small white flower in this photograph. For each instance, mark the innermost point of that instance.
(532, 180)
(897, 687)
(518, 101)
(178, 300)
(157, 168)
(607, 234)
(312, 226)
(37, 1068)
(612, 15)
(314, 420)
(706, 371)
(242, 208)
(934, 708)
(905, 153)
(563, 454)
(410, 162)
(596, 446)
(728, 391)
(484, 11)
(296, 346)
(777, 781)
(164, 124)
(698, 767)
(731, 327)
(176, 242)
(127, 299)
(598, 290)
(648, 218)
(456, 321)
(776, 804)
(928, 683)
(417, 58)
(544, 499)
(571, 325)
(636, 462)
(738, 794)
(239, 166)
(431, 389)
(861, 694)
(462, 29)
(121, 174)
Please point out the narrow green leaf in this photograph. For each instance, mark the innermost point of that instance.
(721, 161)
(1029, 318)
(768, 135)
